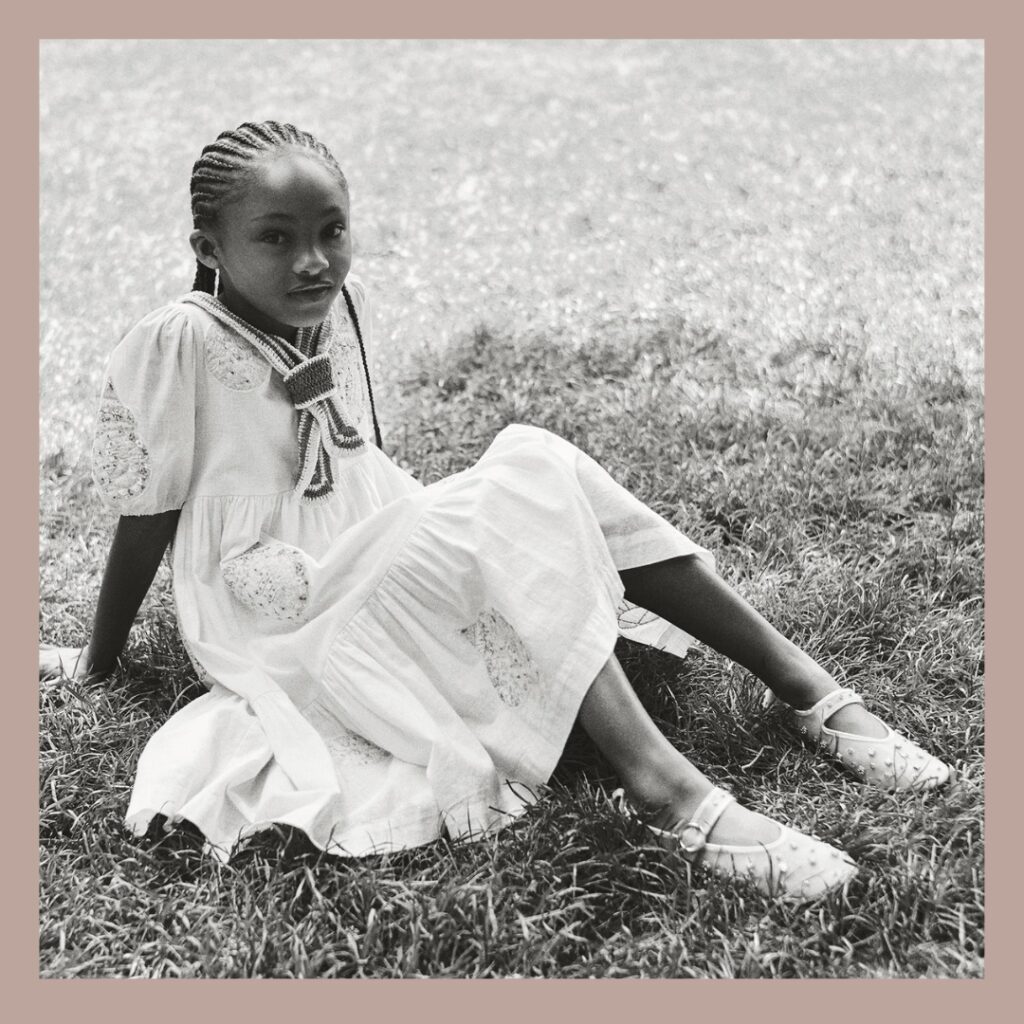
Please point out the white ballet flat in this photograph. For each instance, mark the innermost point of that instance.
(891, 762)
(794, 866)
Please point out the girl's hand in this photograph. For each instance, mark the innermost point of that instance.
(62, 663)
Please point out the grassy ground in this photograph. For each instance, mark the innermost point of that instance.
(746, 277)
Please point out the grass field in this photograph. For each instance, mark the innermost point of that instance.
(747, 278)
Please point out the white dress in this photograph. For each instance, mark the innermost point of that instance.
(386, 664)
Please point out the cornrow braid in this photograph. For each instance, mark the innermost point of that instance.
(225, 164)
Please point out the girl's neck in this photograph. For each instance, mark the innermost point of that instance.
(253, 317)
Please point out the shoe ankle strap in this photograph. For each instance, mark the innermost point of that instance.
(830, 704)
(693, 835)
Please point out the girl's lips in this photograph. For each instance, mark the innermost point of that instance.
(312, 292)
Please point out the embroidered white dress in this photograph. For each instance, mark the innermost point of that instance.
(387, 663)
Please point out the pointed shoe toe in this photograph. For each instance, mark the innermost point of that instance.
(891, 762)
(794, 866)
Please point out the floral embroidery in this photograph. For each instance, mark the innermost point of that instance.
(632, 616)
(347, 366)
(351, 748)
(271, 579)
(233, 361)
(509, 662)
(120, 459)
(345, 746)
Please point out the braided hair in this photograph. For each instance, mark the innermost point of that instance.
(223, 169)
(226, 165)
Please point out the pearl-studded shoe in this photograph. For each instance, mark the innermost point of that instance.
(794, 866)
(890, 762)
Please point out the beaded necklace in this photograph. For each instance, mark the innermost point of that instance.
(305, 368)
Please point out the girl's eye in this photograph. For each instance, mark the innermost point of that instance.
(273, 237)
(336, 231)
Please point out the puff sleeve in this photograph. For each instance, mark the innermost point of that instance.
(145, 428)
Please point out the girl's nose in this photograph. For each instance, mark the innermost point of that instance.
(311, 261)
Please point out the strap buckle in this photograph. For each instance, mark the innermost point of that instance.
(698, 844)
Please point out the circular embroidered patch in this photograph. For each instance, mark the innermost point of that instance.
(347, 366)
(350, 748)
(345, 746)
(510, 666)
(120, 459)
(232, 360)
(270, 579)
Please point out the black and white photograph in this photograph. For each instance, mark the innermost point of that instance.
(511, 508)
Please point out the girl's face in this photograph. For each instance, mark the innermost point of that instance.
(283, 247)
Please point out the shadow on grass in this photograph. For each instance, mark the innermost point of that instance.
(846, 507)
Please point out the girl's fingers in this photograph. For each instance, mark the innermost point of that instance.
(58, 662)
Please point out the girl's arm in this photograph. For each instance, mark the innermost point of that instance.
(139, 544)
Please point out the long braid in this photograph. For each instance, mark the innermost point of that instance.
(366, 367)
(225, 164)
(205, 280)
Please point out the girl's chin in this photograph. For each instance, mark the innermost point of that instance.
(287, 317)
(295, 323)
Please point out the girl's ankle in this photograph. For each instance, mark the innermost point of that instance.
(798, 680)
(660, 793)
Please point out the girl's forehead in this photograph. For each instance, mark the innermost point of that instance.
(296, 179)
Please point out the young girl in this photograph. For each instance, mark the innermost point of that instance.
(388, 661)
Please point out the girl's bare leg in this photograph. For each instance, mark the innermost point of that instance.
(685, 592)
(653, 772)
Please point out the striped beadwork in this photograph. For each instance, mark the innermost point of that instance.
(306, 371)
(311, 381)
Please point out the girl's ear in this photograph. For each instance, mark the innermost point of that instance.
(205, 248)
